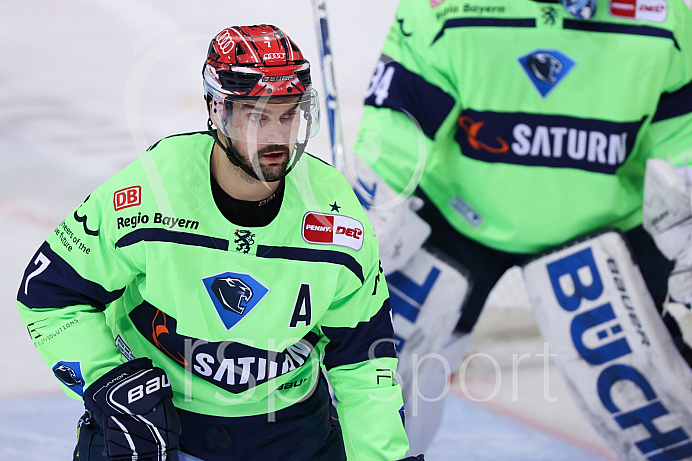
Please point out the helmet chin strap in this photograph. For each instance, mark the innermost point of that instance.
(233, 156)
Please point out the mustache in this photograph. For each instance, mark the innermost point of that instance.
(272, 148)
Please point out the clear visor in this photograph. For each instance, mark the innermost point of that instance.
(266, 120)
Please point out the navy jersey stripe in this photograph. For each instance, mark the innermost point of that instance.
(555, 141)
(346, 345)
(165, 235)
(263, 251)
(412, 94)
(674, 104)
(572, 24)
(312, 255)
(230, 365)
(626, 29)
(483, 22)
(59, 285)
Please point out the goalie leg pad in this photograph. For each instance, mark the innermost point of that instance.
(426, 299)
(613, 350)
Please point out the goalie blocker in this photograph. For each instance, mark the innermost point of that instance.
(612, 347)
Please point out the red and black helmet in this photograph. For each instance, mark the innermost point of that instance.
(255, 61)
(248, 71)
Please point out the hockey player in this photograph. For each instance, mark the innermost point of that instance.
(514, 127)
(193, 298)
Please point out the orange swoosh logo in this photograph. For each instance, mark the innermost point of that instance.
(471, 127)
(159, 328)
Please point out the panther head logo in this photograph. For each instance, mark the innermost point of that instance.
(232, 293)
(67, 375)
(544, 66)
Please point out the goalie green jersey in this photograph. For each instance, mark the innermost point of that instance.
(523, 125)
(242, 319)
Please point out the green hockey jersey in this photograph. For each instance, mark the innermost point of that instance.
(533, 127)
(241, 319)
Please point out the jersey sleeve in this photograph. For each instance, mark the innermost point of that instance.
(358, 353)
(670, 133)
(409, 100)
(75, 274)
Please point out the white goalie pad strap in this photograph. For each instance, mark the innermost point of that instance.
(667, 216)
(426, 298)
(614, 352)
(683, 317)
(667, 213)
(400, 231)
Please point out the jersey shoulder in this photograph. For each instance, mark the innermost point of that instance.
(166, 175)
(330, 185)
(332, 218)
(170, 163)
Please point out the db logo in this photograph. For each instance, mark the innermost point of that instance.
(125, 198)
(349, 232)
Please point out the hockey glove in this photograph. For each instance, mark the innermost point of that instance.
(413, 458)
(133, 405)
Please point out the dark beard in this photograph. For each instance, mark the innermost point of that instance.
(267, 173)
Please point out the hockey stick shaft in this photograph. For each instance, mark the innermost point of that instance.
(319, 11)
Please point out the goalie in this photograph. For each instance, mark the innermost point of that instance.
(497, 135)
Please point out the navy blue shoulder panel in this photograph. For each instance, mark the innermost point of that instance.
(674, 104)
(410, 93)
(365, 341)
(50, 282)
